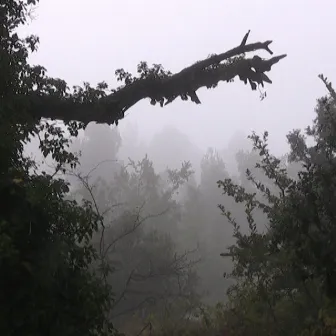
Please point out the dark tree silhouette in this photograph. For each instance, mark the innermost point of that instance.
(160, 86)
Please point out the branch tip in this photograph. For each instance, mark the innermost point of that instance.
(243, 42)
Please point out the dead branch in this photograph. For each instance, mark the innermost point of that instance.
(162, 88)
(139, 220)
(176, 268)
(146, 326)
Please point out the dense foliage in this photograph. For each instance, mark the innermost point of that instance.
(45, 239)
(286, 274)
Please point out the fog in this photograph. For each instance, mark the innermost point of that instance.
(86, 41)
(83, 40)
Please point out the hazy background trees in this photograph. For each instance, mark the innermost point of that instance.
(165, 235)
(163, 231)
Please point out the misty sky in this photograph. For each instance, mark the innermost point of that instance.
(85, 40)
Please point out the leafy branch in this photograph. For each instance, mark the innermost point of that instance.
(54, 100)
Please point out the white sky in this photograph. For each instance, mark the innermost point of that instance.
(86, 40)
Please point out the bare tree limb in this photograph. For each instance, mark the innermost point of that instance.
(159, 86)
(123, 293)
(137, 223)
(146, 326)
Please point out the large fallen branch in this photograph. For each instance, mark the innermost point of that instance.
(159, 86)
